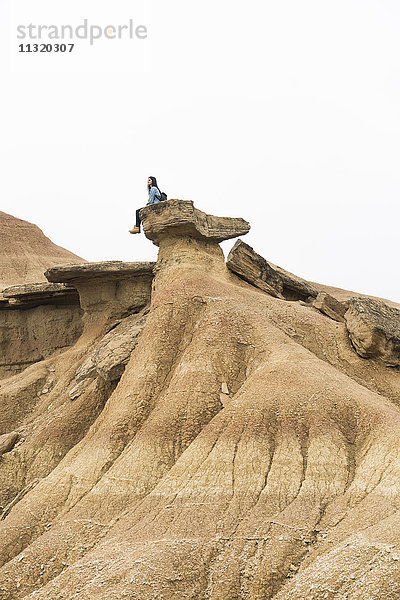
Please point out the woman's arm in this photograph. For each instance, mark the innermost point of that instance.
(154, 195)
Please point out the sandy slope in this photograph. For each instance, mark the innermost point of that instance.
(247, 452)
(25, 252)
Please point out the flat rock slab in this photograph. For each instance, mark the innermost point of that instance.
(8, 441)
(37, 289)
(250, 266)
(35, 294)
(331, 307)
(374, 330)
(113, 269)
(181, 218)
(254, 269)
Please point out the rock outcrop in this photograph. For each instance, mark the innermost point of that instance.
(110, 356)
(269, 278)
(331, 307)
(8, 441)
(36, 320)
(108, 291)
(26, 252)
(181, 218)
(225, 443)
(374, 330)
(36, 294)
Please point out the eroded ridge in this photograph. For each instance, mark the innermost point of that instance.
(244, 451)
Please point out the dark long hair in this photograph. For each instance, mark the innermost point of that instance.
(153, 183)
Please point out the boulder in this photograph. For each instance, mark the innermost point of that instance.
(8, 441)
(374, 330)
(180, 218)
(331, 307)
(253, 268)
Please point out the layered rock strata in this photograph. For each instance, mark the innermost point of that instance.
(374, 329)
(331, 307)
(108, 291)
(36, 404)
(36, 320)
(247, 452)
(36, 294)
(243, 261)
(181, 218)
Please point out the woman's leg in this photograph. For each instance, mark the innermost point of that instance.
(136, 229)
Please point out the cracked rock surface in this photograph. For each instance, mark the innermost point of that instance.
(374, 329)
(181, 218)
(110, 356)
(252, 267)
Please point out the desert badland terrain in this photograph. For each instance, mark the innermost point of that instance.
(193, 428)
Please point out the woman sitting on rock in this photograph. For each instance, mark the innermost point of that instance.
(154, 197)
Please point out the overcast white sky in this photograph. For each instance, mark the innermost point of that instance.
(284, 112)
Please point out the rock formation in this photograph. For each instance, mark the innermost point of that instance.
(374, 329)
(7, 441)
(26, 252)
(181, 218)
(218, 438)
(274, 280)
(110, 356)
(330, 306)
(36, 320)
(107, 290)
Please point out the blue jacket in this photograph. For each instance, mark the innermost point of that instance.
(154, 195)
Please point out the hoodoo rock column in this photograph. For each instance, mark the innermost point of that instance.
(244, 450)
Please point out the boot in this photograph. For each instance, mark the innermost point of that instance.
(136, 229)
